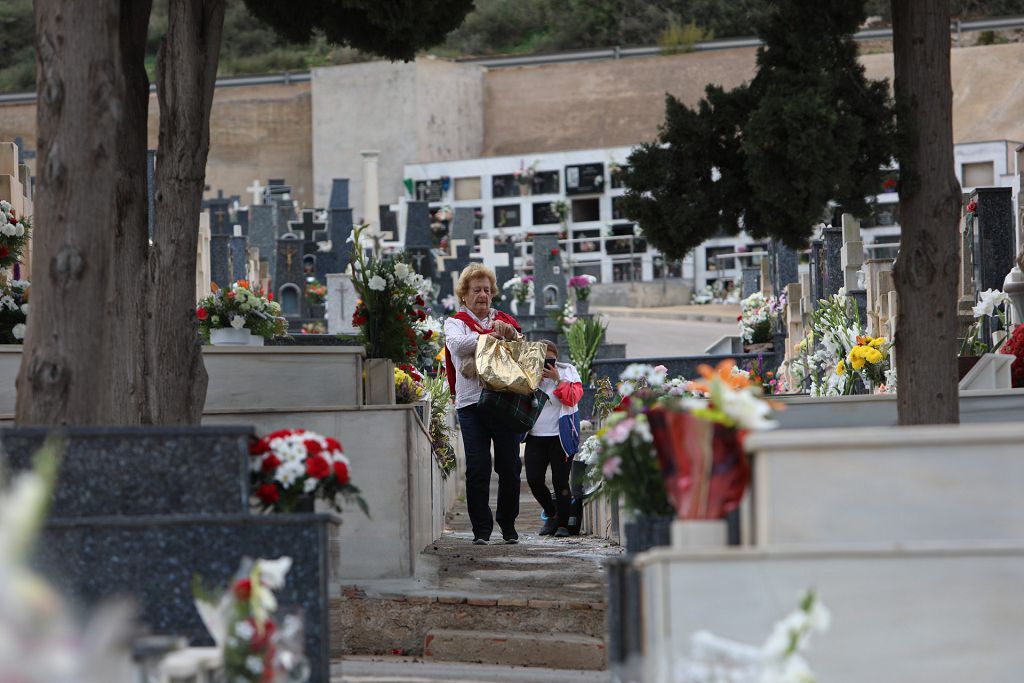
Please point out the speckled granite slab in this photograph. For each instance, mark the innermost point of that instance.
(108, 471)
(153, 559)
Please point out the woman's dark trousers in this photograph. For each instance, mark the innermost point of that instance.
(478, 432)
(542, 451)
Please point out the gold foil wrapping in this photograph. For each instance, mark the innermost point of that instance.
(509, 366)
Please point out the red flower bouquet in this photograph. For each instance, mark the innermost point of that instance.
(291, 466)
(1014, 346)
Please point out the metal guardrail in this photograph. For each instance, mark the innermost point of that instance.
(957, 28)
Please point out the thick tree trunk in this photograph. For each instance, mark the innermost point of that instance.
(84, 357)
(186, 71)
(926, 270)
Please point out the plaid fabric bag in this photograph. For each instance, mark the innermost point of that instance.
(515, 411)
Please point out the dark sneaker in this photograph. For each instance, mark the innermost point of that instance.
(562, 532)
(479, 541)
(511, 537)
(549, 527)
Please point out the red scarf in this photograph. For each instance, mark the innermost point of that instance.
(474, 325)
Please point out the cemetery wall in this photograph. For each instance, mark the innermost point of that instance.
(428, 110)
(255, 132)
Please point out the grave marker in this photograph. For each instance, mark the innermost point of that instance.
(550, 288)
(263, 233)
(832, 261)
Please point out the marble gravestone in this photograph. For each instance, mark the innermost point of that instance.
(817, 271)
(550, 285)
(263, 233)
(785, 266)
(463, 225)
(339, 231)
(239, 255)
(992, 242)
(156, 525)
(220, 260)
(341, 304)
(289, 278)
(751, 280)
(242, 219)
(419, 239)
(218, 207)
(832, 261)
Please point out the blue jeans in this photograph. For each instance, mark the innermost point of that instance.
(478, 431)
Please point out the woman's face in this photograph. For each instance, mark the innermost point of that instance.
(479, 296)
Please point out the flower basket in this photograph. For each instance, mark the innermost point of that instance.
(229, 336)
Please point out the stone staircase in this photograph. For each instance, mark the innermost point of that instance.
(541, 602)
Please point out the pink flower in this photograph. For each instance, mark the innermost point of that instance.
(661, 369)
(620, 432)
(611, 467)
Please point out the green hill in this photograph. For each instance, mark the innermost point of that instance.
(495, 27)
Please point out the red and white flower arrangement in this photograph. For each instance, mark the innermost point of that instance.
(581, 284)
(14, 234)
(291, 466)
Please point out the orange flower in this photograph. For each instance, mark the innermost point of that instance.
(243, 283)
(214, 287)
(724, 372)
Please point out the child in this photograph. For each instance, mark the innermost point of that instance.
(554, 441)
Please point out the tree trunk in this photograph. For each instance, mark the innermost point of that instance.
(926, 269)
(186, 70)
(84, 355)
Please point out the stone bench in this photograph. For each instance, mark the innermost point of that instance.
(894, 485)
(913, 614)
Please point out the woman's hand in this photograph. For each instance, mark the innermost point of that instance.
(504, 330)
(551, 372)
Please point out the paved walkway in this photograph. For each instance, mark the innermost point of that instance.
(718, 313)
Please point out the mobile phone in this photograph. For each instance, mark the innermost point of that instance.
(549, 362)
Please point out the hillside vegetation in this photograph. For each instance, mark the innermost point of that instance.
(495, 27)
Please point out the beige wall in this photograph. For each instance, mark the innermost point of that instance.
(429, 110)
(255, 132)
(434, 110)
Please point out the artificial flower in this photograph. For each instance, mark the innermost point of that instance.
(377, 283)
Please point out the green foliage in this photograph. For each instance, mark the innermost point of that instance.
(679, 37)
(771, 155)
(396, 29)
(585, 336)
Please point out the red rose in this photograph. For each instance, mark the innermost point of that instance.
(268, 494)
(243, 589)
(201, 313)
(333, 444)
(270, 463)
(317, 467)
(972, 207)
(554, 252)
(258, 447)
(280, 433)
(419, 301)
(341, 473)
(270, 296)
(313, 447)
(4, 253)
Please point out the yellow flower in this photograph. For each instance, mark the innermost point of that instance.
(440, 355)
(856, 360)
(876, 342)
(872, 355)
(841, 368)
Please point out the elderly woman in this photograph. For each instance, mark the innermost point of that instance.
(475, 290)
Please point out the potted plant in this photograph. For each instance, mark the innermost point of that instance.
(316, 296)
(581, 285)
(239, 315)
(521, 289)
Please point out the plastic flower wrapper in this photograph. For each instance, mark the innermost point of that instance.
(243, 623)
(781, 659)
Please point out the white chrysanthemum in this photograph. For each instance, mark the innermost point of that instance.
(237, 322)
(254, 664)
(19, 230)
(377, 283)
(309, 485)
(24, 309)
(18, 331)
(402, 271)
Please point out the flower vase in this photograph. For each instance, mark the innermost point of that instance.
(524, 189)
(646, 532)
(522, 307)
(229, 336)
(582, 306)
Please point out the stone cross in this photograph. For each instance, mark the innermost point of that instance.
(307, 227)
(256, 190)
(489, 256)
(341, 304)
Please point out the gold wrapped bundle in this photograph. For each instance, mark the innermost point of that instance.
(509, 366)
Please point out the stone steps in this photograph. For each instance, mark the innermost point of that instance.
(549, 650)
